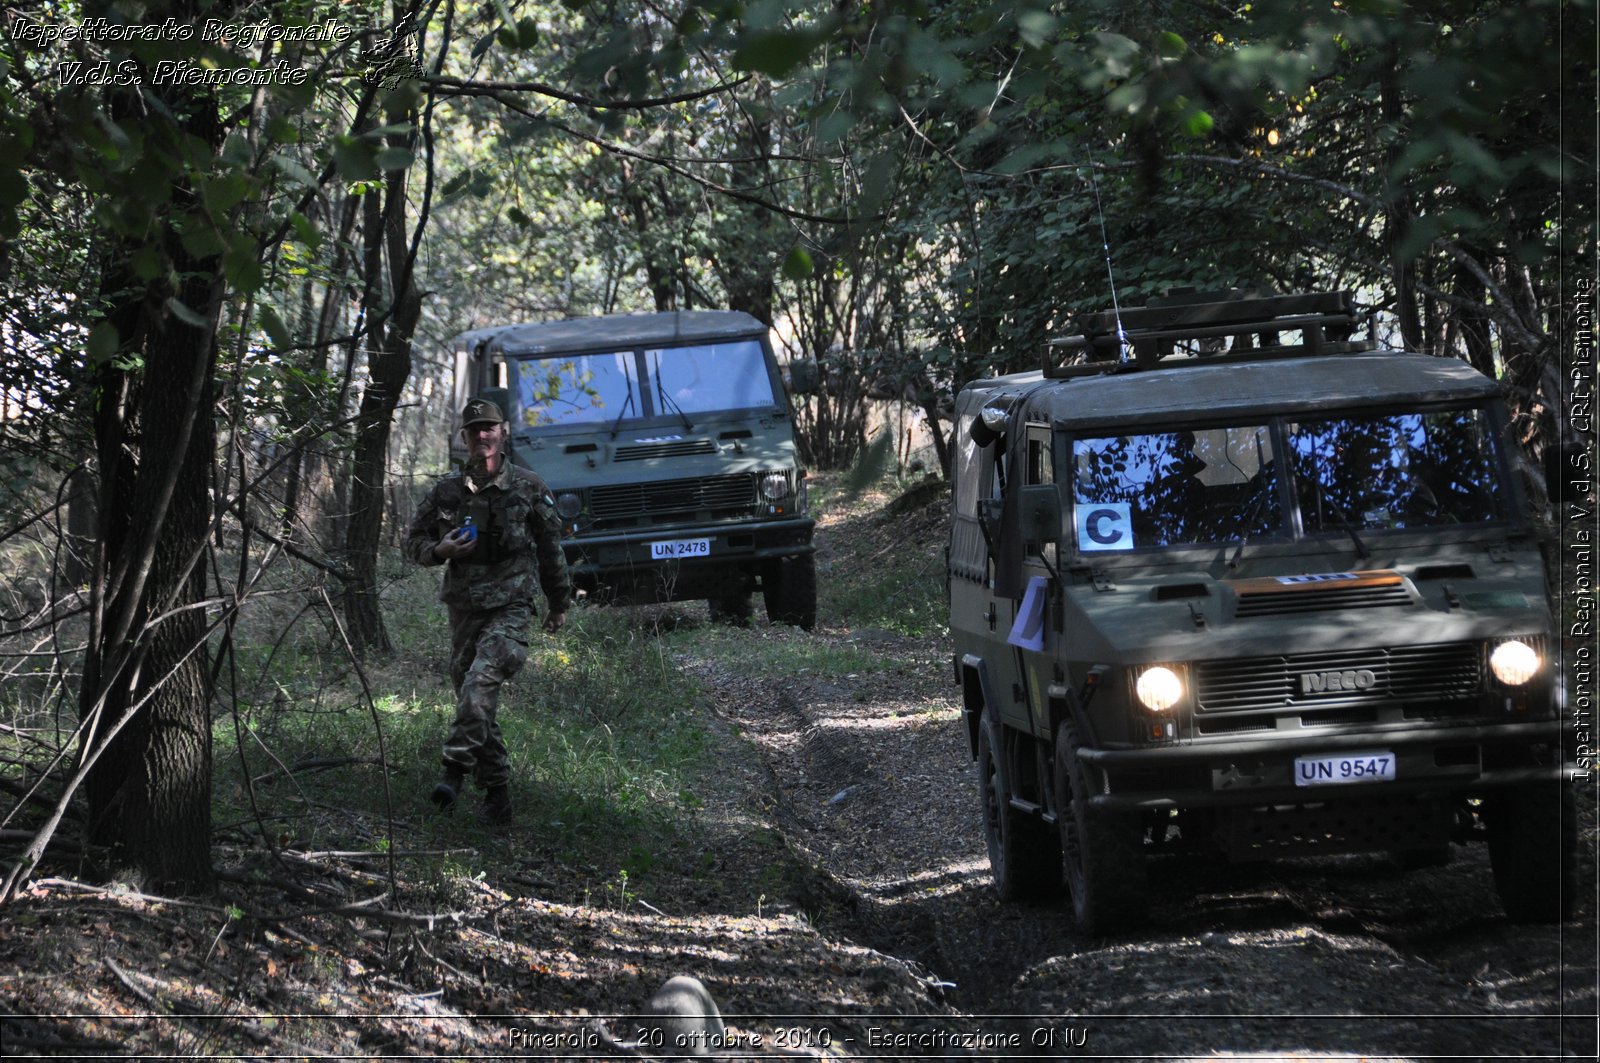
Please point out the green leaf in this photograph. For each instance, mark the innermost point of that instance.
(102, 343)
(292, 169)
(1127, 99)
(1198, 123)
(146, 262)
(276, 330)
(236, 150)
(518, 217)
(223, 193)
(355, 159)
(280, 130)
(393, 159)
(13, 188)
(241, 266)
(483, 45)
(507, 36)
(797, 265)
(184, 313)
(455, 184)
(306, 229)
(1036, 27)
(1169, 45)
(527, 32)
(833, 128)
(202, 240)
(775, 52)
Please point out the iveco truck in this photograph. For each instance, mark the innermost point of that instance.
(668, 441)
(1227, 577)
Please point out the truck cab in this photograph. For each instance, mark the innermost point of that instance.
(668, 442)
(1226, 578)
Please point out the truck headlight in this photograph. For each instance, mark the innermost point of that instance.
(774, 485)
(1158, 688)
(568, 504)
(1514, 662)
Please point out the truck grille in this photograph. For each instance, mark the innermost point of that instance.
(676, 448)
(645, 501)
(1318, 599)
(1310, 682)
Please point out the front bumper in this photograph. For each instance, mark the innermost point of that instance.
(1240, 773)
(621, 562)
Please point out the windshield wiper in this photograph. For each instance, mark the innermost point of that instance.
(666, 400)
(616, 426)
(1250, 522)
(1344, 522)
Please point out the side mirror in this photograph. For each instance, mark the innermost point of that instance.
(804, 376)
(1039, 513)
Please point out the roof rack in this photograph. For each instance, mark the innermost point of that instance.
(1232, 325)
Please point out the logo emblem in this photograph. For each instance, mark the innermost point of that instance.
(1355, 679)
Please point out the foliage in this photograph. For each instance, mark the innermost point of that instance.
(912, 194)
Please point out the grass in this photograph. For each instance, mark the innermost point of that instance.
(607, 747)
(613, 756)
(883, 571)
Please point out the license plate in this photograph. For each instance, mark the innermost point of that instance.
(1353, 767)
(670, 549)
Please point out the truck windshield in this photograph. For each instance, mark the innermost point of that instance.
(577, 388)
(711, 376)
(1210, 485)
(1347, 474)
(1408, 470)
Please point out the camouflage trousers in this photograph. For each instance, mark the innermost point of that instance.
(488, 646)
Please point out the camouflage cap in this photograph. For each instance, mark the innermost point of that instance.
(480, 411)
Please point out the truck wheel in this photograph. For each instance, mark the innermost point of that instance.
(1024, 853)
(789, 590)
(1101, 850)
(1533, 849)
(733, 609)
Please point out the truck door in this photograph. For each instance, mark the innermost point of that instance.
(1034, 634)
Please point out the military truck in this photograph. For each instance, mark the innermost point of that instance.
(668, 441)
(1226, 577)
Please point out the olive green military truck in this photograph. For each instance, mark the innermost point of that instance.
(668, 441)
(1225, 578)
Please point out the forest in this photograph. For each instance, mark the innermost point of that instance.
(237, 237)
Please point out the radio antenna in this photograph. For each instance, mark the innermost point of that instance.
(1105, 245)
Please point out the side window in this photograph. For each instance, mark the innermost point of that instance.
(1041, 466)
(969, 555)
(966, 487)
(1041, 470)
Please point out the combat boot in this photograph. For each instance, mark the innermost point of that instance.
(445, 791)
(497, 805)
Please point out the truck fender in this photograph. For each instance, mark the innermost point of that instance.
(976, 692)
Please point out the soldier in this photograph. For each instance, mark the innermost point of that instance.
(493, 524)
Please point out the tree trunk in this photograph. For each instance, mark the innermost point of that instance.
(1398, 212)
(146, 689)
(389, 367)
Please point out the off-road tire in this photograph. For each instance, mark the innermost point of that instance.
(1024, 852)
(1533, 850)
(732, 609)
(1101, 850)
(789, 591)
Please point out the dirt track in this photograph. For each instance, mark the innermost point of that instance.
(873, 787)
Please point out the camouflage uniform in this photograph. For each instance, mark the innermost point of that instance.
(489, 594)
